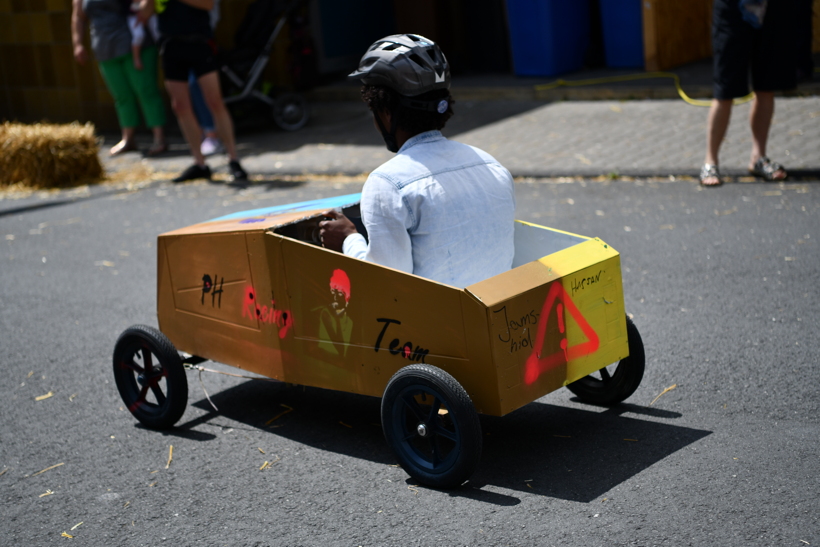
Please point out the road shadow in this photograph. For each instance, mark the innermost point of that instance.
(67, 197)
(184, 431)
(803, 175)
(565, 453)
(574, 454)
(331, 420)
(269, 182)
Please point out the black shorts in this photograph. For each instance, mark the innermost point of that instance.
(180, 56)
(738, 48)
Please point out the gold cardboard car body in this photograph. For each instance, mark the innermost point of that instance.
(257, 291)
(237, 291)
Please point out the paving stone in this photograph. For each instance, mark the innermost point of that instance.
(531, 138)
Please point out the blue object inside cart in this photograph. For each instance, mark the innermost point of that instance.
(325, 203)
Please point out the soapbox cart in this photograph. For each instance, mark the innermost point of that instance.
(255, 290)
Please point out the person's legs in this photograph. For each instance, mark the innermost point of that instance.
(127, 142)
(210, 144)
(718, 122)
(773, 69)
(760, 120)
(178, 58)
(203, 115)
(731, 40)
(125, 102)
(145, 85)
(159, 145)
(209, 83)
(181, 103)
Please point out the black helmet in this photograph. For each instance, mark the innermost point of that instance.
(407, 63)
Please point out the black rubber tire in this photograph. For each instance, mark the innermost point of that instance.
(140, 347)
(613, 387)
(447, 451)
(290, 111)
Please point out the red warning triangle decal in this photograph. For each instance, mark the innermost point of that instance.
(537, 363)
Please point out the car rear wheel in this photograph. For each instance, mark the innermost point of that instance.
(615, 383)
(431, 426)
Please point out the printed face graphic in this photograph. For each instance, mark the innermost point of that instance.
(335, 326)
(339, 303)
(339, 291)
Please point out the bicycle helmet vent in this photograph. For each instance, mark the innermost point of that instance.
(407, 63)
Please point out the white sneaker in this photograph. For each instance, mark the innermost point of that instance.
(210, 146)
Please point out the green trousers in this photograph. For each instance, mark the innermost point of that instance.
(130, 86)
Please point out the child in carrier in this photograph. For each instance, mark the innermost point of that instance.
(138, 33)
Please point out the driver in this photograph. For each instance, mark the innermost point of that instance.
(439, 209)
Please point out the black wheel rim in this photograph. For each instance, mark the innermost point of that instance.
(603, 378)
(143, 380)
(426, 432)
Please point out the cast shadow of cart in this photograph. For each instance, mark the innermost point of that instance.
(576, 454)
(560, 452)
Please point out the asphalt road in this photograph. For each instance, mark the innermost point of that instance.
(722, 284)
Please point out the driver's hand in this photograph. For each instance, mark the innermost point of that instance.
(333, 232)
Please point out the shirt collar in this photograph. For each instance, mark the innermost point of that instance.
(427, 136)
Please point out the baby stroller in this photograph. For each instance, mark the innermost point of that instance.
(241, 69)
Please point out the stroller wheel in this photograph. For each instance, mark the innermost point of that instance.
(290, 111)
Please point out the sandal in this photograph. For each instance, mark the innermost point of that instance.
(766, 169)
(156, 150)
(710, 171)
(122, 147)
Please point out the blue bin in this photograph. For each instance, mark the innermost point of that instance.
(548, 37)
(623, 33)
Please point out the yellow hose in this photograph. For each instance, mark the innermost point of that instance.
(627, 77)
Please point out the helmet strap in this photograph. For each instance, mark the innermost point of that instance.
(388, 136)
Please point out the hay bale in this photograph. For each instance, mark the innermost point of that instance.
(48, 155)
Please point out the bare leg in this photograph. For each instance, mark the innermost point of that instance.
(718, 122)
(126, 144)
(760, 120)
(159, 135)
(181, 103)
(158, 146)
(209, 83)
(719, 115)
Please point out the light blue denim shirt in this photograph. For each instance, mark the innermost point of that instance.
(439, 209)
